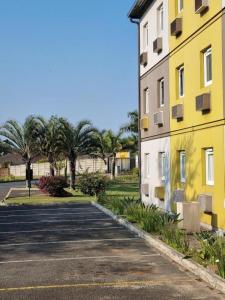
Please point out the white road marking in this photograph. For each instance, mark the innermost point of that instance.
(56, 221)
(54, 214)
(79, 258)
(69, 242)
(64, 229)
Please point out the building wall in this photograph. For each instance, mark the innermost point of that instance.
(150, 81)
(191, 21)
(194, 142)
(151, 17)
(154, 147)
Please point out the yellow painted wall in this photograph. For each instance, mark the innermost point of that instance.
(191, 21)
(197, 131)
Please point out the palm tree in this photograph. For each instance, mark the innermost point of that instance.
(50, 140)
(77, 140)
(132, 126)
(4, 148)
(22, 139)
(107, 144)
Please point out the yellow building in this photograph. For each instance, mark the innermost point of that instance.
(197, 101)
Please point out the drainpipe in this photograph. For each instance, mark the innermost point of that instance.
(137, 22)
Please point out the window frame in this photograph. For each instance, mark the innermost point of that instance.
(161, 94)
(209, 152)
(146, 100)
(162, 161)
(145, 36)
(206, 53)
(146, 165)
(160, 18)
(180, 71)
(182, 155)
(179, 6)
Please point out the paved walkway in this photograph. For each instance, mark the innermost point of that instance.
(77, 252)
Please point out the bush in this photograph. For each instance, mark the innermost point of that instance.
(92, 184)
(54, 186)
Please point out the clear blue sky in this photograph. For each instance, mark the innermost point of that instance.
(71, 58)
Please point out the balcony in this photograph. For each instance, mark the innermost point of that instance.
(178, 112)
(176, 27)
(157, 45)
(203, 103)
(201, 6)
(144, 59)
(144, 123)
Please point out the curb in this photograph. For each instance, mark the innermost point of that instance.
(214, 280)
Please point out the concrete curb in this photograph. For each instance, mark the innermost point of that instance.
(214, 280)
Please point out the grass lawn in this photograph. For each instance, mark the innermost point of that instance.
(114, 189)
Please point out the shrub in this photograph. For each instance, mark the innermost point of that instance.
(92, 184)
(54, 186)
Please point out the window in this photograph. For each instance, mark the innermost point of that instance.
(145, 36)
(208, 67)
(162, 165)
(160, 19)
(146, 165)
(209, 160)
(161, 92)
(182, 166)
(146, 101)
(181, 81)
(180, 5)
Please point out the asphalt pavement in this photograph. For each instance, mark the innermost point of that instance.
(77, 252)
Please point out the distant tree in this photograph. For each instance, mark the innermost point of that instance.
(4, 148)
(22, 139)
(132, 125)
(77, 140)
(50, 140)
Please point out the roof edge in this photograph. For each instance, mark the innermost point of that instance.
(139, 8)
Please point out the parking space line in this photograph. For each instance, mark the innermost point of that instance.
(59, 208)
(56, 221)
(99, 284)
(69, 242)
(65, 229)
(54, 215)
(78, 258)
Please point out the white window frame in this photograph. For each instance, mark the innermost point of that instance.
(145, 36)
(160, 17)
(209, 177)
(146, 100)
(162, 163)
(179, 6)
(182, 167)
(207, 53)
(180, 71)
(147, 165)
(161, 92)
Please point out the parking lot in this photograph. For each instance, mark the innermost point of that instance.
(77, 252)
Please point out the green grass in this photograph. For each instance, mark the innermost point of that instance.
(113, 189)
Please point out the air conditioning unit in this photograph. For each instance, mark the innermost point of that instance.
(145, 189)
(203, 102)
(160, 192)
(176, 27)
(189, 216)
(205, 201)
(158, 118)
(144, 59)
(157, 45)
(144, 123)
(178, 112)
(178, 196)
(201, 6)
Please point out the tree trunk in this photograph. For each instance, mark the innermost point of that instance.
(28, 173)
(65, 170)
(72, 173)
(52, 169)
(113, 167)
